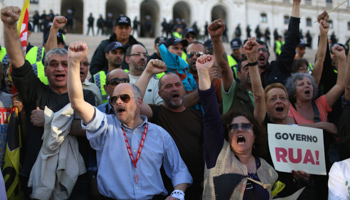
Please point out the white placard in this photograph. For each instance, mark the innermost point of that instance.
(297, 148)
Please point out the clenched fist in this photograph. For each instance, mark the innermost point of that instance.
(77, 51)
(10, 15)
(155, 66)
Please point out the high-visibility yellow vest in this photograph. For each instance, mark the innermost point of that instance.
(178, 35)
(100, 81)
(3, 56)
(278, 49)
(233, 64)
(184, 56)
(310, 68)
(35, 56)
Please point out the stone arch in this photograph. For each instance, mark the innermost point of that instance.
(182, 10)
(116, 8)
(77, 8)
(219, 12)
(150, 8)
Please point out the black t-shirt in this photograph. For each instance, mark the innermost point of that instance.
(186, 128)
(35, 94)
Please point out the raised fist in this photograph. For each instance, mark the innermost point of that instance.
(10, 15)
(155, 66)
(59, 22)
(216, 28)
(77, 51)
(251, 48)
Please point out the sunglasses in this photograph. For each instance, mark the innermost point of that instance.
(188, 36)
(244, 127)
(192, 53)
(262, 49)
(124, 97)
(116, 81)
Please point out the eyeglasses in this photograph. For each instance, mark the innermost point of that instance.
(192, 53)
(85, 63)
(116, 81)
(139, 54)
(56, 63)
(244, 126)
(124, 97)
(262, 49)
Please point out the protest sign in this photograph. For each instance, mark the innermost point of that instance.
(297, 148)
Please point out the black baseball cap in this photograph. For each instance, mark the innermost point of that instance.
(302, 43)
(208, 44)
(187, 31)
(123, 20)
(175, 41)
(160, 40)
(114, 45)
(236, 43)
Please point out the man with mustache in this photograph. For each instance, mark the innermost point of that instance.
(115, 52)
(136, 57)
(183, 124)
(130, 150)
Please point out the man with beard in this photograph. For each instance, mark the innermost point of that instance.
(234, 95)
(136, 57)
(194, 51)
(114, 54)
(279, 70)
(122, 34)
(184, 125)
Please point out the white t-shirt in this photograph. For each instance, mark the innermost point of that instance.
(151, 93)
(339, 180)
(5, 104)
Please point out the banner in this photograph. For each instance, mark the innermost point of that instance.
(297, 148)
(22, 26)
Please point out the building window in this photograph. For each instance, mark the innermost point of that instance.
(348, 26)
(329, 1)
(348, 3)
(308, 22)
(286, 19)
(263, 18)
(330, 22)
(34, 1)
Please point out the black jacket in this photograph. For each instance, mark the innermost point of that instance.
(279, 70)
(99, 61)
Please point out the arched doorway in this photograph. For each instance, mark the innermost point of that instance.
(218, 12)
(116, 8)
(149, 10)
(181, 10)
(77, 11)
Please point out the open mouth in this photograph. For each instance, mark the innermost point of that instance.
(240, 140)
(261, 58)
(60, 76)
(307, 91)
(279, 109)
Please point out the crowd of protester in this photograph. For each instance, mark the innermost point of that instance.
(187, 122)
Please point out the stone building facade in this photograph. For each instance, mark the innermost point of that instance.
(266, 13)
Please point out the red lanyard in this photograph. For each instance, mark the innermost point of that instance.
(140, 146)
